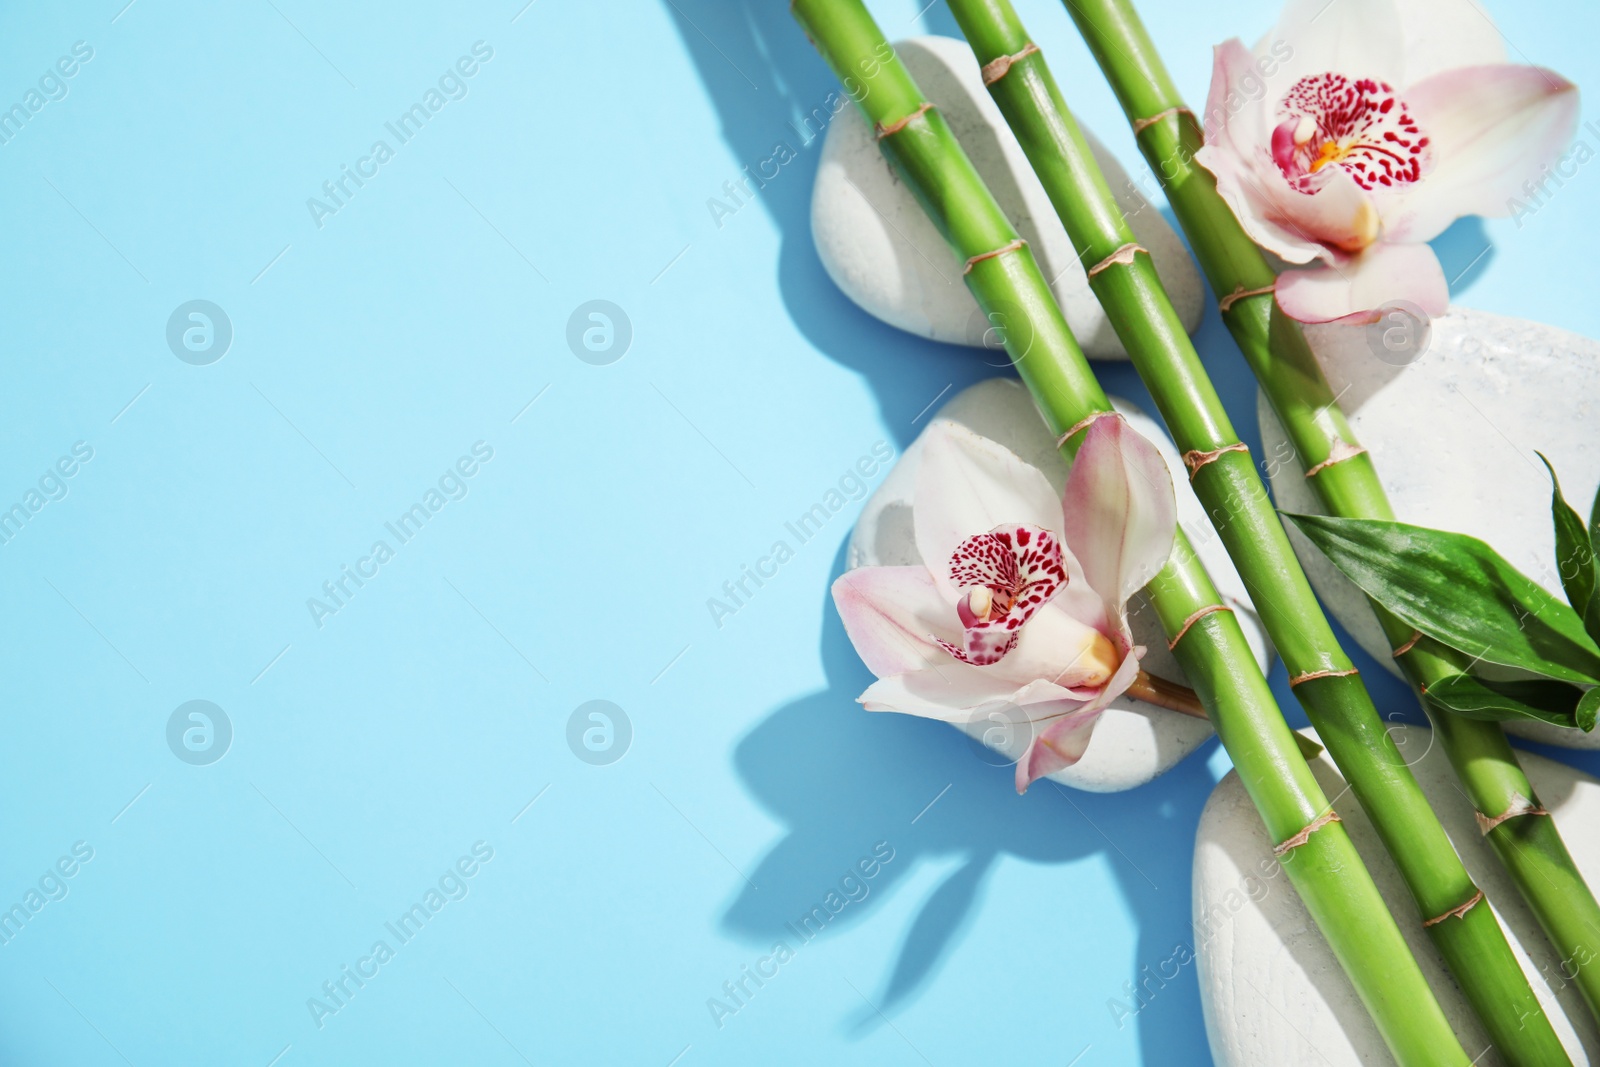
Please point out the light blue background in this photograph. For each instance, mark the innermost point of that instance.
(372, 752)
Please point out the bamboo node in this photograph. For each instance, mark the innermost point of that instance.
(1191, 620)
(998, 67)
(1305, 835)
(1457, 912)
(1194, 459)
(1416, 635)
(883, 131)
(1311, 676)
(1084, 424)
(1014, 246)
(1520, 805)
(1241, 293)
(1140, 125)
(1341, 451)
(1121, 257)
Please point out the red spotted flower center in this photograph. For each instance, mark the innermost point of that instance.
(1004, 576)
(1357, 125)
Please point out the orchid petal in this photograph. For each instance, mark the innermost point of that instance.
(1237, 112)
(1244, 188)
(892, 615)
(1119, 510)
(1444, 34)
(954, 692)
(1063, 740)
(966, 485)
(1361, 38)
(1354, 291)
(1492, 129)
(1068, 742)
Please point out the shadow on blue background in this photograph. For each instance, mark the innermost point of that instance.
(1465, 252)
(764, 41)
(837, 775)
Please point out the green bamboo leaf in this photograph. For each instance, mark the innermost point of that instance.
(1556, 703)
(1460, 592)
(1588, 709)
(1575, 557)
(1594, 523)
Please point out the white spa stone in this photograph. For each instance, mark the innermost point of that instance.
(1133, 741)
(1271, 989)
(1453, 436)
(877, 244)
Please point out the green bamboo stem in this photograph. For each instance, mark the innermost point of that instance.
(1529, 846)
(1226, 481)
(1325, 868)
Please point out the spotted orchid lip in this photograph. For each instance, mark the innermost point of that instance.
(1006, 575)
(1358, 125)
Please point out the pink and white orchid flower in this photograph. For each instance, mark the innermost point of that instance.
(1022, 600)
(1355, 138)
